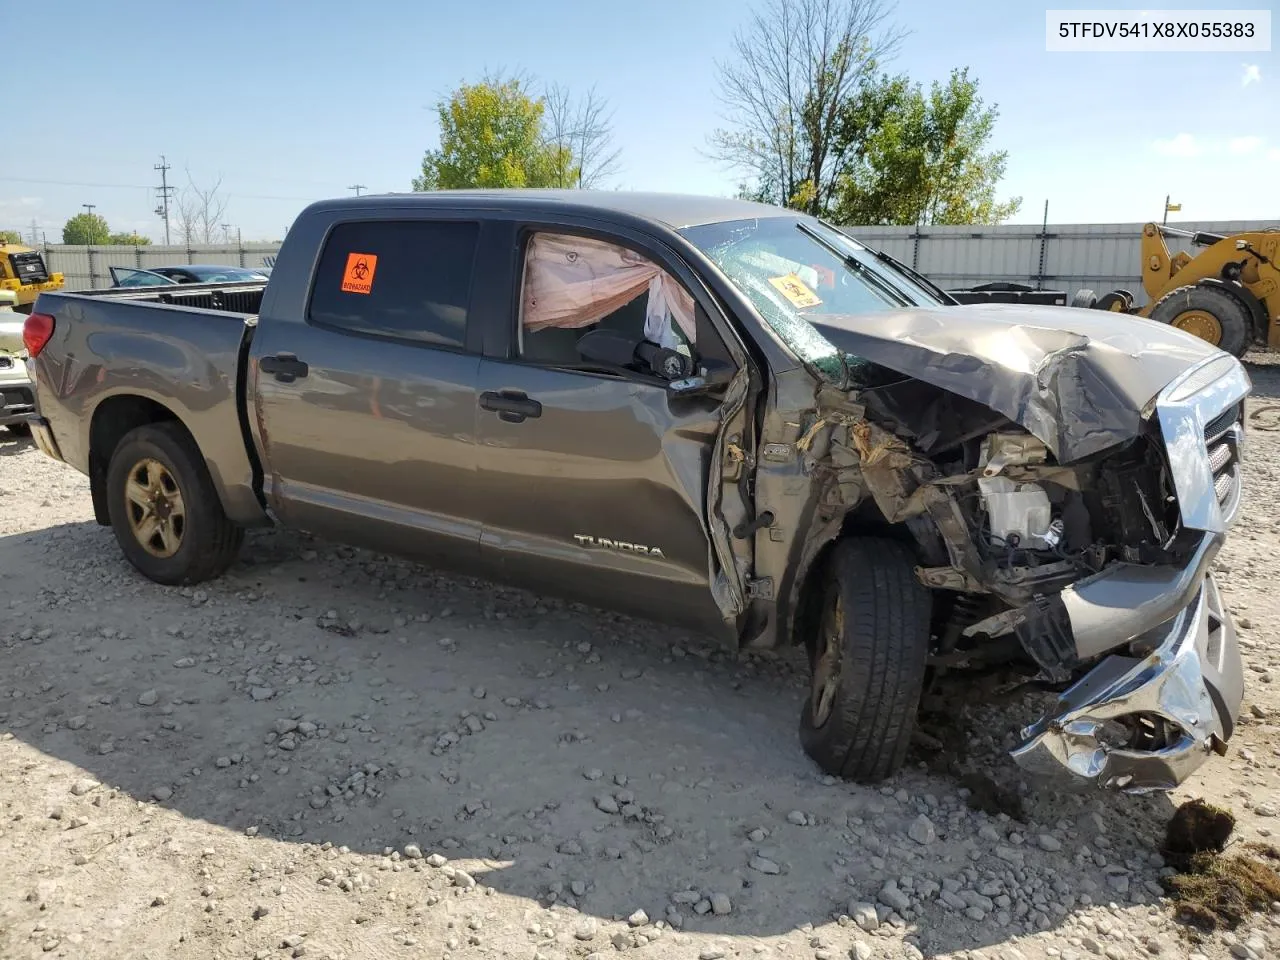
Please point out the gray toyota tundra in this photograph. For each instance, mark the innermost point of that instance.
(718, 414)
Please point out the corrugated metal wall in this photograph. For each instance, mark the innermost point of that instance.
(1100, 256)
(88, 267)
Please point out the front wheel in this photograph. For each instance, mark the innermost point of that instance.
(164, 510)
(867, 661)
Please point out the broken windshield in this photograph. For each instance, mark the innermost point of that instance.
(795, 268)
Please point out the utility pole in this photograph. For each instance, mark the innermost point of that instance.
(33, 231)
(357, 187)
(89, 207)
(226, 233)
(165, 192)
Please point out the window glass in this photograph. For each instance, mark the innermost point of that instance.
(573, 285)
(410, 280)
(794, 269)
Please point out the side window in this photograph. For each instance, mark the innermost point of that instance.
(409, 279)
(573, 285)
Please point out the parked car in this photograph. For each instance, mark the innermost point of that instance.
(131, 277)
(17, 392)
(208, 273)
(710, 412)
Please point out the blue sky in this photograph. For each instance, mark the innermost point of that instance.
(294, 102)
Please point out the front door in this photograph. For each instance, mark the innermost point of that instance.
(366, 406)
(595, 477)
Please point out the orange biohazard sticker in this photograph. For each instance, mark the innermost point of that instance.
(794, 289)
(358, 276)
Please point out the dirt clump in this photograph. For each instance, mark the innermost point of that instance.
(1196, 827)
(1213, 889)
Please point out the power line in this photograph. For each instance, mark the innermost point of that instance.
(144, 186)
(165, 191)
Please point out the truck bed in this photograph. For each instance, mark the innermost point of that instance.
(183, 349)
(240, 297)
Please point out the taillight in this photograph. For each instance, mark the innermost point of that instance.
(36, 332)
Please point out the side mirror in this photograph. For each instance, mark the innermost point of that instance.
(618, 350)
(714, 376)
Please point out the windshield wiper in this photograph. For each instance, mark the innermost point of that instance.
(919, 278)
(857, 266)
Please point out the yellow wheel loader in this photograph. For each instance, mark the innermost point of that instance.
(23, 271)
(1227, 294)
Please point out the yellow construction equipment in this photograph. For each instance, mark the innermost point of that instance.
(23, 271)
(1227, 294)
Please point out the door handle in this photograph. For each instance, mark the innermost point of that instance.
(285, 366)
(511, 406)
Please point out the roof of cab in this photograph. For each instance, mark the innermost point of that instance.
(673, 210)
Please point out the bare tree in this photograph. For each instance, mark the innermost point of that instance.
(580, 134)
(794, 65)
(200, 211)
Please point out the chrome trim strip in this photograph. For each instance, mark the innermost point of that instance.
(1183, 409)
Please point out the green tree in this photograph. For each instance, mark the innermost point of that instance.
(491, 136)
(918, 157)
(10, 236)
(794, 64)
(86, 228)
(129, 239)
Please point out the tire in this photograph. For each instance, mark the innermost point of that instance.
(162, 456)
(1190, 305)
(1085, 298)
(858, 724)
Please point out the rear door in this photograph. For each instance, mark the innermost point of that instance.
(594, 482)
(365, 406)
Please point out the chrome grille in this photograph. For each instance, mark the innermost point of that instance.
(1222, 441)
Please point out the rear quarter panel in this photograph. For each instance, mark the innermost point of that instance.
(184, 359)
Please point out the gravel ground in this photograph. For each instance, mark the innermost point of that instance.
(328, 753)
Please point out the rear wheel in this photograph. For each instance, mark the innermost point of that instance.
(867, 661)
(164, 510)
(1211, 314)
(1085, 298)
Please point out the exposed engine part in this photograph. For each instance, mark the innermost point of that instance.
(1019, 513)
(1000, 450)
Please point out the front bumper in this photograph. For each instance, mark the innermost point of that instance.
(1139, 724)
(17, 400)
(1146, 718)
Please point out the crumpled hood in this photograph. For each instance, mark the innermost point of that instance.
(1077, 379)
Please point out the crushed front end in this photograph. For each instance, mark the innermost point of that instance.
(1089, 573)
(1167, 691)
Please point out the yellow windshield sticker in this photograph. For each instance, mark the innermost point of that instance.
(794, 289)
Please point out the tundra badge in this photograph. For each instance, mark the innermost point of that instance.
(622, 546)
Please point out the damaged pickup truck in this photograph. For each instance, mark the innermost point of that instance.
(718, 414)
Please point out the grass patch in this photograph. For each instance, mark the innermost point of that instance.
(1213, 889)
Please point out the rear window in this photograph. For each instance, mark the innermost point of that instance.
(407, 280)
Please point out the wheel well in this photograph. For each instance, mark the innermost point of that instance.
(112, 419)
(865, 520)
